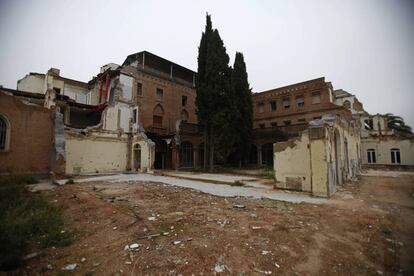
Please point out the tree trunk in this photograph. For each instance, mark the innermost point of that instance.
(205, 156)
(211, 140)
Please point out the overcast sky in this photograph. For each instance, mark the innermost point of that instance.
(363, 47)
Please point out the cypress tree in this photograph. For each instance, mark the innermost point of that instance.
(243, 121)
(213, 91)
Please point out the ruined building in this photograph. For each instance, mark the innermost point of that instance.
(141, 116)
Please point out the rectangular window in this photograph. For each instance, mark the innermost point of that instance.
(300, 102)
(395, 156)
(260, 107)
(371, 156)
(302, 120)
(160, 94)
(316, 98)
(261, 125)
(286, 103)
(139, 89)
(273, 124)
(57, 90)
(183, 100)
(287, 123)
(273, 105)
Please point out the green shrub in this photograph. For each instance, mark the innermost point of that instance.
(25, 219)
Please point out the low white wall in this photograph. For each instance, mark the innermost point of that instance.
(94, 154)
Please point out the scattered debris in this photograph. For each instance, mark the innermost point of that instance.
(256, 227)
(265, 252)
(70, 267)
(262, 271)
(239, 206)
(83, 260)
(151, 218)
(276, 265)
(131, 246)
(219, 268)
(176, 242)
(30, 256)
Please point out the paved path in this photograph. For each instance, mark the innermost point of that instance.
(210, 188)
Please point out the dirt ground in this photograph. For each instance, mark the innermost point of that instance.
(366, 229)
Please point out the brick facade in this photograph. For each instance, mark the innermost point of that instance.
(31, 137)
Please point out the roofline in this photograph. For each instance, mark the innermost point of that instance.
(23, 93)
(290, 85)
(176, 64)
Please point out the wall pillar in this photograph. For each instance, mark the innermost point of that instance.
(195, 160)
(259, 155)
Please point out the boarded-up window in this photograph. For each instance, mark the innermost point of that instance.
(316, 98)
(260, 106)
(160, 94)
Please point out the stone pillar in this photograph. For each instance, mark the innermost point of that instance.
(195, 160)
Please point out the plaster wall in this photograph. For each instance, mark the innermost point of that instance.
(95, 153)
(32, 83)
(292, 164)
(383, 146)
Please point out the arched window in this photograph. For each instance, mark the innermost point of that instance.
(395, 156)
(158, 115)
(186, 155)
(372, 159)
(4, 133)
(184, 116)
(347, 104)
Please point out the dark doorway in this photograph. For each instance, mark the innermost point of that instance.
(160, 154)
(137, 157)
(267, 154)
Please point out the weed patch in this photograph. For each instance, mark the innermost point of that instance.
(26, 219)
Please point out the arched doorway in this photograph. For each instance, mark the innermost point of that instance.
(186, 155)
(137, 157)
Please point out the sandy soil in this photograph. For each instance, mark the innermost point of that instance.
(366, 229)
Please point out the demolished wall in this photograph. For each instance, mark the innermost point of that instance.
(322, 157)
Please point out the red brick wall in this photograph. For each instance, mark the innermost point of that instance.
(31, 137)
(295, 114)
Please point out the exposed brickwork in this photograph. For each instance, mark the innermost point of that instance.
(294, 115)
(31, 137)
